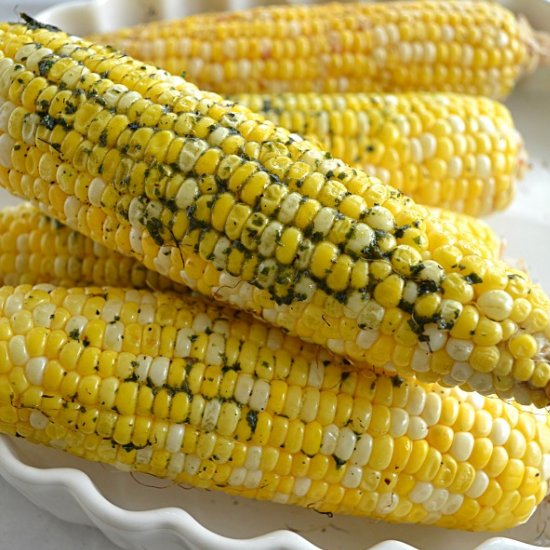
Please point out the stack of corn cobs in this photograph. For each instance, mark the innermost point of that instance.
(352, 351)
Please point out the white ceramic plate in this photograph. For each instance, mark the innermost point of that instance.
(145, 513)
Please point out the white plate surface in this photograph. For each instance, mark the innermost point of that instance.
(144, 513)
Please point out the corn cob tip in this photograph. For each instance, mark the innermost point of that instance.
(538, 46)
(542, 40)
(523, 162)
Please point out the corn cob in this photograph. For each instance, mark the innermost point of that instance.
(208, 194)
(448, 150)
(169, 385)
(35, 249)
(38, 249)
(470, 47)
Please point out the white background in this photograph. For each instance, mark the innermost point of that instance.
(23, 526)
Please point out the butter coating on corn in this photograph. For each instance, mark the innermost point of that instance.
(472, 47)
(449, 150)
(203, 395)
(207, 193)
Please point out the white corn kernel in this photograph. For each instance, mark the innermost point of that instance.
(323, 221)
(352, 477)
(17, 350)
(418, 429)
(380, 218)
(253, 458)
(399, 422)
(417, 154)
(481, 382)
(366, 338)
(6, 109)
(144, 456)
(301, 486)
(95, 191)
(454, 502)
(429, 145)
(163, 261)
(421, 492)
(459, 350)
(500, 432)
(479, 486)
(289, 207)
(387, 502)
(38, 420)
(437, 338)
(187, 193)
(34, 370)
(461, 371)
(253, 479)
(260, 395)
(421, 360)
(330, 439)
(432, 409)
(362, 238)
(192, 464)
(43, 314)
(6, 146)
(345, 444)
(113, 336)
(363, 449)
(462, 446)
(496, 304)
(483, 166)
(269, 239)
(316, 374)
(243, 388)
(457, 124)
(174, 438)
(436, 501)
(143, 365)
(183, 342)
(13, 304)
(190, 153)
(158, 371)
(417, 401)
(210, 415)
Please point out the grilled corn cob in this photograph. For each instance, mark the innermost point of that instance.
(169, 385)
(449, 150)
(471, 47)
(210, 195)
(35, 248)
